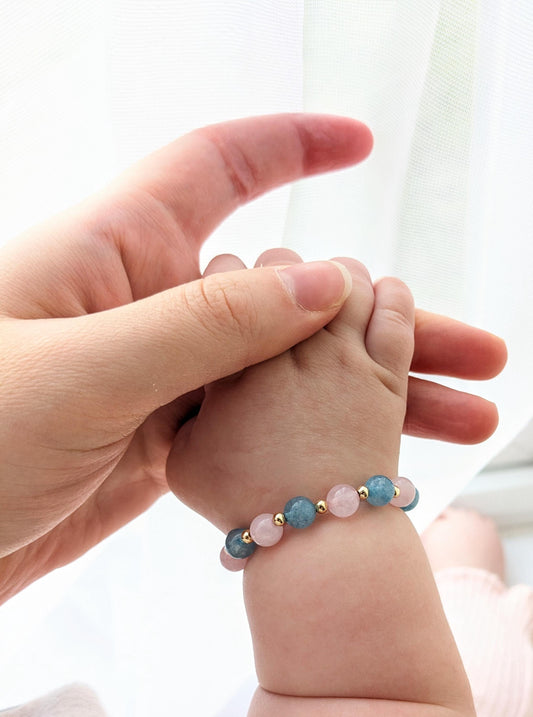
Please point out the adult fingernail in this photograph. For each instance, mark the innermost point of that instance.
(318, 285)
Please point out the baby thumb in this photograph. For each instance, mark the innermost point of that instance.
(147, 353)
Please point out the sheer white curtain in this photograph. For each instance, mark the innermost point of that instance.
(444, 202)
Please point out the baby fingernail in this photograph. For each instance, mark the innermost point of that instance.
(318, 285)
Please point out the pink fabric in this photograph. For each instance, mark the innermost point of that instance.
(70, 701)
(493, 628)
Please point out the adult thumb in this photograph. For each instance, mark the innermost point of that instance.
(142, 355)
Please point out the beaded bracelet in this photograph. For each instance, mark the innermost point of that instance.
(342, 501)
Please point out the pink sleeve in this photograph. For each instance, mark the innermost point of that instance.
(493, 628)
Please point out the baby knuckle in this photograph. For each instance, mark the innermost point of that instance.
(399, 319)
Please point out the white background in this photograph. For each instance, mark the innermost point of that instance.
(87, 87)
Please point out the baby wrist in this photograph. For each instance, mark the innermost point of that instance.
(342, 501)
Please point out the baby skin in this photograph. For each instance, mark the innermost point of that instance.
(345, 615)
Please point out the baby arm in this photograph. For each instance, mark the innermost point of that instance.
(345, 615)
(346, 620)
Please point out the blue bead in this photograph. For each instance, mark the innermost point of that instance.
(380, 490)
(412, 505)
(300, 512)
(236, 546)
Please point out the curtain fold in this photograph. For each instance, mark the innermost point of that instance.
(443, 201)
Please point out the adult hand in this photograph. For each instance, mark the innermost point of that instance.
(107, 329)
(107, 332)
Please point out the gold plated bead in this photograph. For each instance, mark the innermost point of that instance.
(396, 491)
(246, 537)
(321, 506)
(279, 519)
(363, 492)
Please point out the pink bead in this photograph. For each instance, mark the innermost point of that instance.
(231, 563)
(343, 500)
(407, 492)
(264, 531)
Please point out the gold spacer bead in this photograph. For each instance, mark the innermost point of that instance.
(279, 519)
(321, 506)
(246, 537)
(396, 491)
(363, 492)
